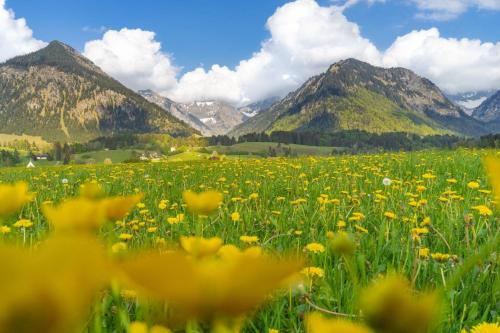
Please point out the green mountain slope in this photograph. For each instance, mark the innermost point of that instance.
(58, 94)
(355, 95)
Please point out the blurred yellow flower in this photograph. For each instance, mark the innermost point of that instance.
(116, 208)
(235, 217)
(203, 203)
(493, 169)
(312, 272)
(91, 190)
(316, 323)
(201, 247)
(13, 197)
(209, 287)
(390, 215)
(390, 306)
(141, 327)
(473, 185)
(76, 214)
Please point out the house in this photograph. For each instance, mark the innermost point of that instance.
(42, 157)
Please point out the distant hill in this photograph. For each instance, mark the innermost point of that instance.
(489, 111)
(58, 94)
(353, 95)
(208, 117)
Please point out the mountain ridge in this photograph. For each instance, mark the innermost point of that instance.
(352, 94)
(59, 94)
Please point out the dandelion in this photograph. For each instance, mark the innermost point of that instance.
(209, 287)
(342, 244)
(316, 323)
(23, 223)
(486, 328)
(235, 217)
(201, 247)
(313, 272)
(493, 168)
(315, 248)
(4, 229)
(390, 215)
(125, 236)
(473, 185)
(387, 181)
(13, 198)
(483, 210)
(249, 239)
(423, 253)
(389, 305)
(117, 208)
(203, 203)
(80, 214)
(119, 247)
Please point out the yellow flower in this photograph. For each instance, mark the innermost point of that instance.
(91, 190)
(208, 287)
(4, 229)
(473, 185)
(253, 196)
(249, 239)
(203, 203)
(315, 248)
(441, 257)
(483, 210)
(119, 247)
(116, 208)
(273, 330)
(13, 198)
(76, 214)
(51, 288)
(390, 215)
(389, 305)
(423, 253)
(486, 328)
(493, 169)
(235, 217)
(141, 327)
(23, 224)
(342, 244)
(125, 236)
(315, 323)
(201, 247)
(175, 220)
(312, 272)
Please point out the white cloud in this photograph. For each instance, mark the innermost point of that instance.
(134, 57)
(450, 9)
(305, 38)
(16, 37)
(455, 65)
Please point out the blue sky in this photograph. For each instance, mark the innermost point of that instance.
(244, 51)
(225, 31)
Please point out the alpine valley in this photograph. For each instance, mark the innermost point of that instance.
(58, 94)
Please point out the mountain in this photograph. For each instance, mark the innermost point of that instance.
(470, 100)
(355, 95)
(177, 110)
(251, 110)
(208, 117)
(489, 111)
(220, 117)
(58, 94)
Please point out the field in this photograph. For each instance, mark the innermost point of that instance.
(343, 221)
(260, 148)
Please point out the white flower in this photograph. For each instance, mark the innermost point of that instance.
(387, 181)
(64, 180)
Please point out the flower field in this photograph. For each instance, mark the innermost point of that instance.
(403, 242)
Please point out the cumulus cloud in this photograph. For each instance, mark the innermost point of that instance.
(305, 38)
(455, 65)
(16, 37)
(134, 57)
(450, 9)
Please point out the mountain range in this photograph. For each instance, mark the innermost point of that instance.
(355, 95)
(59, 94)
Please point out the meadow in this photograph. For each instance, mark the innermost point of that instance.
(424, 226)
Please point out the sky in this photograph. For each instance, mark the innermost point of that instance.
(244, 51)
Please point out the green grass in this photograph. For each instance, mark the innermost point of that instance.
(283, 227)
(116, 156)
(262, 148)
